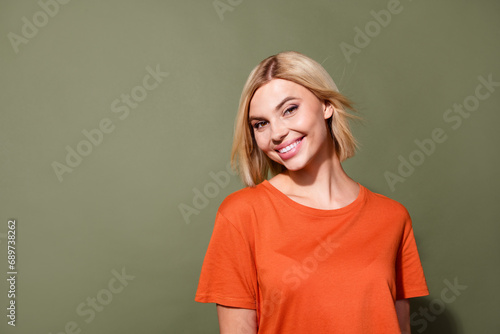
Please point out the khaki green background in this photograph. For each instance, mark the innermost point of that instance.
(120, 208)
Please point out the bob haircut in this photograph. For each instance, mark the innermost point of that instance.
(253, 164)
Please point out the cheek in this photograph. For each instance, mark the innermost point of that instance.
(308, 121)
(261, 141)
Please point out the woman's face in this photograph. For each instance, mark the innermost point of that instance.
(288, 123)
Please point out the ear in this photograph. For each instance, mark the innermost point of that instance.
(327, 110)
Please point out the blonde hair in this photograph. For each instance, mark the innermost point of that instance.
(253, 164)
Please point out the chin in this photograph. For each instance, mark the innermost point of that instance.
(294, 166)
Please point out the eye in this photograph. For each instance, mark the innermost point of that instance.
(257, 125)
(291, 109)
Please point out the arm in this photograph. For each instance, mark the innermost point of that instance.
(403, 312)
(234, 320)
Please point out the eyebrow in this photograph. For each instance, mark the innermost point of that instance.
(277, 108)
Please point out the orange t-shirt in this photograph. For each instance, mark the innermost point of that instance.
(309, 270)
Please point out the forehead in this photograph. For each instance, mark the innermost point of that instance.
(273, 92)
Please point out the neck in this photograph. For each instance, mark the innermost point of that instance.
(324, 181)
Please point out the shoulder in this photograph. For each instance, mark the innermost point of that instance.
(245, 200)
(387, 205)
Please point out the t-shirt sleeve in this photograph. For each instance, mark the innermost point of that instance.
(228, 275)
(410, 279)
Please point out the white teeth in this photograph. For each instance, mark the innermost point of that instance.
(289, 147)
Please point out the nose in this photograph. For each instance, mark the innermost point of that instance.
(278, 131)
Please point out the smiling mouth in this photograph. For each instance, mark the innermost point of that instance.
(290, 147)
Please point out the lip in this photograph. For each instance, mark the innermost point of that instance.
(285, 144)
(290, 154)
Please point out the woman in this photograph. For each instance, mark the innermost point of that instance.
(309, 250)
